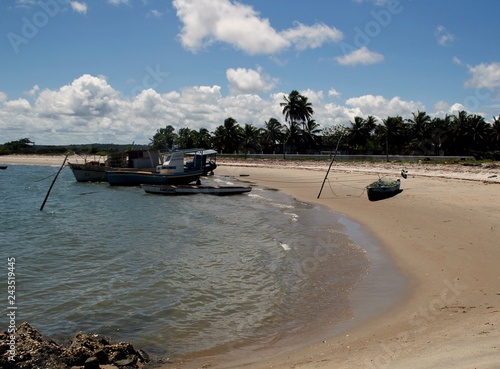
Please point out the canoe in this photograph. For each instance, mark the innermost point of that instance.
(383, 188)
(195, 189)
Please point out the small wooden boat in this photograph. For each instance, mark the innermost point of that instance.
(383, 188)
(3, 166)
(194, 189)
(95, 170)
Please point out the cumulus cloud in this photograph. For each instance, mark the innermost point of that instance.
(381, 107)
(242, 81)
(90, 110)
(484, 76)
(361, 56)
(86, 96)
(311, 37)
(79, 7)
(206, 22)
(333, 93)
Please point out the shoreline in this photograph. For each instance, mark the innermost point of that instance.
(442, 231)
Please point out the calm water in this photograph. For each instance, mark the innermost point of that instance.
(172, 275)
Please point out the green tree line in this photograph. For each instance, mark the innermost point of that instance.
(460, 134)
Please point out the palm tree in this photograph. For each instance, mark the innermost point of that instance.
(480, 132)
(250, 138)
(296, 108)
(202, 138)
(357, 134)
(293, 136)
(391, 132)
(232, 138)
(440, 131)
(185, 139)
(495, 137)
(273, 133)
(420, 133)
(219, 139)
(310, 134)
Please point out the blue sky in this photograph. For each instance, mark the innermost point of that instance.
(117, 70)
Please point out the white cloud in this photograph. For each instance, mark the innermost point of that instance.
(19, 105)
(333, 93)
(155, 13)
(34, 91)
(86, 96)
(79, 7)
(90, 110)
(305, 37)
(242, 81)
(484, 76)
(381, 107)
(360, 56)
(206, 22)
(444, 37)
(457, 61)
(118, 2)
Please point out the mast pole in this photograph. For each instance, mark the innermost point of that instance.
(329, 167)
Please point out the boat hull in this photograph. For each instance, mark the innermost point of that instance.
(380, 190)
(136, 178)
(97, 173)
(172, 190)
(88, 172)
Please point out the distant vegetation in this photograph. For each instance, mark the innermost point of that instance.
(461, 134)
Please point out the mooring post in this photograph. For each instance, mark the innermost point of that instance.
(54, 181)
(331, 163)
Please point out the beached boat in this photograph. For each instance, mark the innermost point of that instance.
(195, 189)
(383, 188)
(206, 159)
(175, 170)
(95, 170)
(3, 166)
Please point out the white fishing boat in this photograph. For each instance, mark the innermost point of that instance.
(195, 189)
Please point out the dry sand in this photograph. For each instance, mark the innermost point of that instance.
(442, 231)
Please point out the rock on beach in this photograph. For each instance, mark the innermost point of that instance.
(84, 351)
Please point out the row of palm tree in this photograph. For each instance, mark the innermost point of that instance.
(461, 134)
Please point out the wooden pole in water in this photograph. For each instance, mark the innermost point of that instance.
(331, 163)
(54, 181)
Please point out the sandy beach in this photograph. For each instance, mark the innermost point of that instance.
(442, 232)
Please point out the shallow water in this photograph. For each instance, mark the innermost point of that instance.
(172, 275)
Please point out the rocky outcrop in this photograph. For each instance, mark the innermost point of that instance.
(84, 351)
